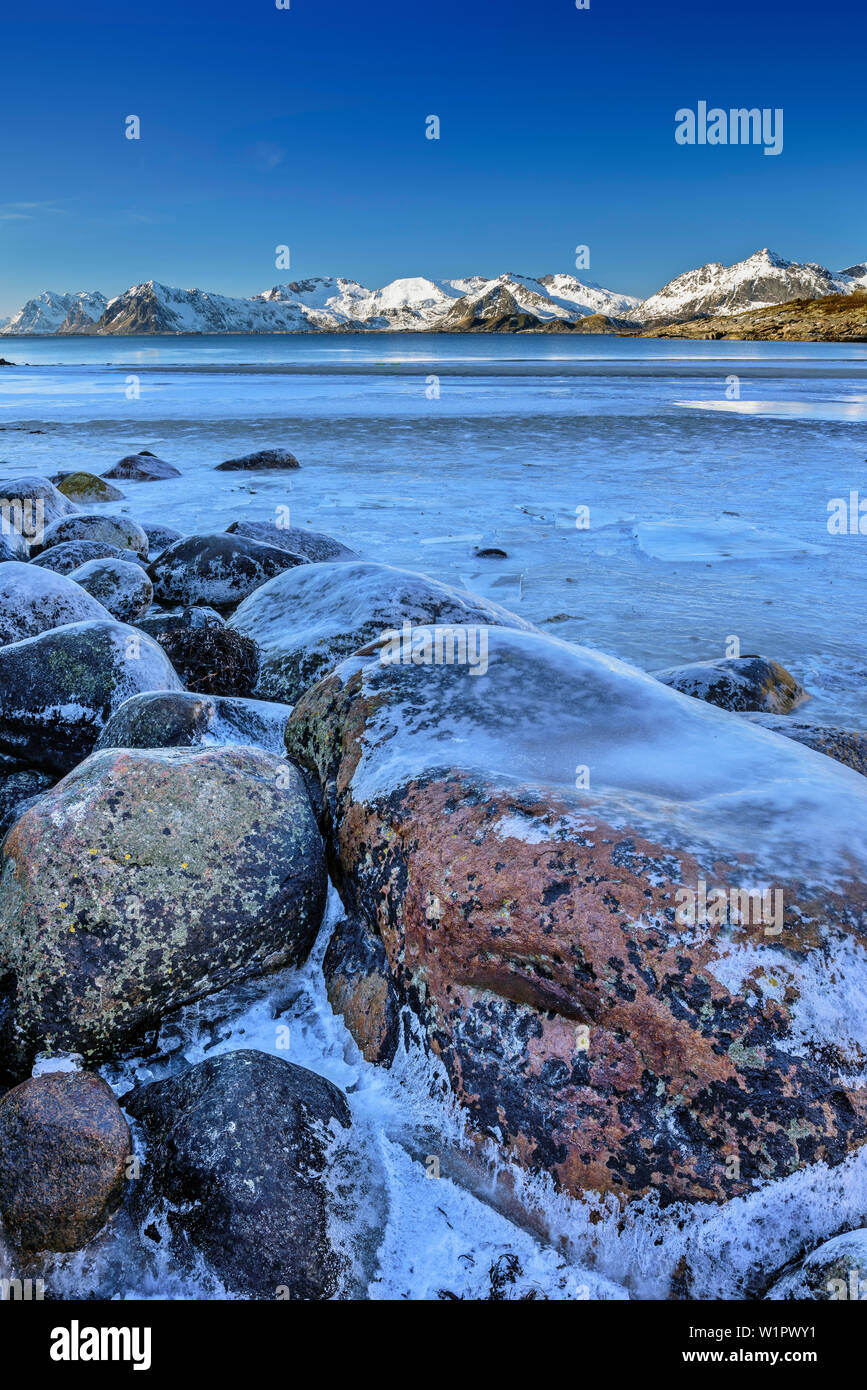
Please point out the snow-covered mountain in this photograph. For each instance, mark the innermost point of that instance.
(49, 312)
(763, 279)
(319, 304)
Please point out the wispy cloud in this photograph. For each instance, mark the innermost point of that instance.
(26, 212)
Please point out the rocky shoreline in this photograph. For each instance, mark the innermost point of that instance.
(624, 913)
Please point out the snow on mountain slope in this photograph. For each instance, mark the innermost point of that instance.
(49, 310)
(761, 280)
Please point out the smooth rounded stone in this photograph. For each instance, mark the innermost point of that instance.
(68, 555)
(147, 878)
(64, 1149)
(17, 791)
(308, 619)
(143, 467)
(186, 719)
(40, 501)
(33, 600)
(630, 923)
(124, 589)
(737, 683)
(13, 547)
(212, 660)
(218, 569)
(159, 621)
(836, 1272)
(58, 689)
(160, 536)
(263, 460)
(311, 545)
(85, 488)
(118, 531)
(847, 746)
(360, 988)
(239, 1147)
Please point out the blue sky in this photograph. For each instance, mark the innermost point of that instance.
(306, 127)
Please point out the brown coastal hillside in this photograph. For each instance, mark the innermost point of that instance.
(834, 318)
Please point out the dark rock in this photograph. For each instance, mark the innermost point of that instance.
(308, 619)
(84, 488)
(847, 746)
(737, 683)
(67, 556)
(39, 501)
(118, 531)
(311, 545)
(64, 1149)
(218, 570)
(263, 459)
(491, 552)
(58, 689)
(145, 879)
(34, 600)
(17, 791)
(143, 467)
(159, 537)
(238, 1146)
(360, 988)
(124, 589)
(188, 720)
(212, 660)
(161, 620)
(595, 1015)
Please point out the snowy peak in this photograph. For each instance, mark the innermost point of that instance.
(50, 311)
(762, 280)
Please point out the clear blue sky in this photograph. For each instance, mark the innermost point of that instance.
(262, 126)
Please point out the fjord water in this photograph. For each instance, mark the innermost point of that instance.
(707, 469)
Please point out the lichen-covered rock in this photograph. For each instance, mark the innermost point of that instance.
(847, 746)
(39, 500)
(218, 570)
(143, 467)
(308, 619)
(17, 790)
(737, 683)
(85, 488)
(188, 720)
(631, 924)
(33, 600)
(836, 1271)
(118, 531)
(123, 589)
(58, 689)
(212, 660)
(239, 1148)
(360, 988)
(145, 879)
(313, 545)
(69, 555)
(263, 460)
(64, 1149)
(162, 620)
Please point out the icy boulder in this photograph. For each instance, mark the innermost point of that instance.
(307, 620)
(738, 683)
(632, 924)
(33, 600)
(218, 570)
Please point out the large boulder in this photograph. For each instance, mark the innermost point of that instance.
(64, 1150)
(186, 720)
(36, 500)
(68, 555)
(123, 589)
(238, 1147)
(33, 600)
(58, 689)
(84, 488)
(159, 536)
(360, 988)
(836, 1272)
(119, 531)
(738, 683)
(17, 790)
(145, 879)
(218, 570)
(264, 460)
(13, 546)
(626, 919)
(143, 467)
(313, 545)
(308, 619)
(848, 746)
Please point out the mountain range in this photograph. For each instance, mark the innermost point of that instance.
(507, 303)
